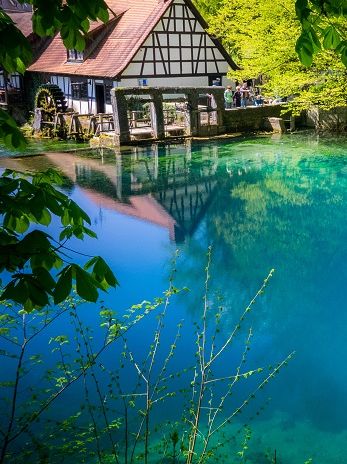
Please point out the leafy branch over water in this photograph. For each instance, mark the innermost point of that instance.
(33, 257)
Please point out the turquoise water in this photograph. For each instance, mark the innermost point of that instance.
(37, 146)
(261, 203)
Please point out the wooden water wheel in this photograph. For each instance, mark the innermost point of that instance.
(51, 100)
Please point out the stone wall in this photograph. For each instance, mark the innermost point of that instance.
(196, 124)
(334, 120)
(251, 119)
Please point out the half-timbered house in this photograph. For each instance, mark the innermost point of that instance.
(144, 43)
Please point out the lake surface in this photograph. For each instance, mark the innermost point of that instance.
(261, 203)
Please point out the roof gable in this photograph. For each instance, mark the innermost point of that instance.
(179, 46)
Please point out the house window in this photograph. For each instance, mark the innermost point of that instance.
(108, 88)
(143, 82)
(79, 90)
(74, 55)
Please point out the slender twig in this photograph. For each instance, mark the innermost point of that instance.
(11, 421)
(73, 379)
(87, 344)
(212, 417)
(203, 365)
(146, 377)
(251, 395)
(237, 327)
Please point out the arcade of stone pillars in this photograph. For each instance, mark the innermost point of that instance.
(155, 96)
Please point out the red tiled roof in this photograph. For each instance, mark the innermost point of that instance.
(22, 20)
(116, 42)
(113, 54)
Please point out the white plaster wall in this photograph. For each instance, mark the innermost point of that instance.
(191, 81)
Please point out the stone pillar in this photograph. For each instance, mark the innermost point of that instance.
(120, 117)
(157, 116)
(188, 147)
(119, 170)
(155, 152)
(291, 123)
(277, 124)
(219, 99)
(193, 121)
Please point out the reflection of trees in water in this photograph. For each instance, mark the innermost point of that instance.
(275, 214)
(289, 214)
(282, 215)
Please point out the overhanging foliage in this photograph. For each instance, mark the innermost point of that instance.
(39, 265)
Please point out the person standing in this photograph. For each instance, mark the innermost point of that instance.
(244, 95)
(228, 97)
(237, 97)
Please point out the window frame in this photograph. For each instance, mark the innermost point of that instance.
(74, 56)
(79, 89)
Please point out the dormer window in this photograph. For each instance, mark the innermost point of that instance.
(73, 55)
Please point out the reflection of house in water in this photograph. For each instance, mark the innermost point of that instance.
(152, 184)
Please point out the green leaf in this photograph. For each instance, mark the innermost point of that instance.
(102, 273)
(344, 56)
(80, 42)
(85, 285)
(9, 132)
(103, 14)
(9, 292)
(91, 262)
(7, 185)
(78, 214)
(36, 293)
(102, 270)
(304, 49)
(89, 232)
(331, 38)
(85, 25)
(63, 286)
(21, 290)
(45, 218)
(16, 222)
(44, 277)
(65, 218)
(314, 40)
(66, 233)
(35, 242)
(302, 10)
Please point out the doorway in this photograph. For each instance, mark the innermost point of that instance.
(100, 98)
